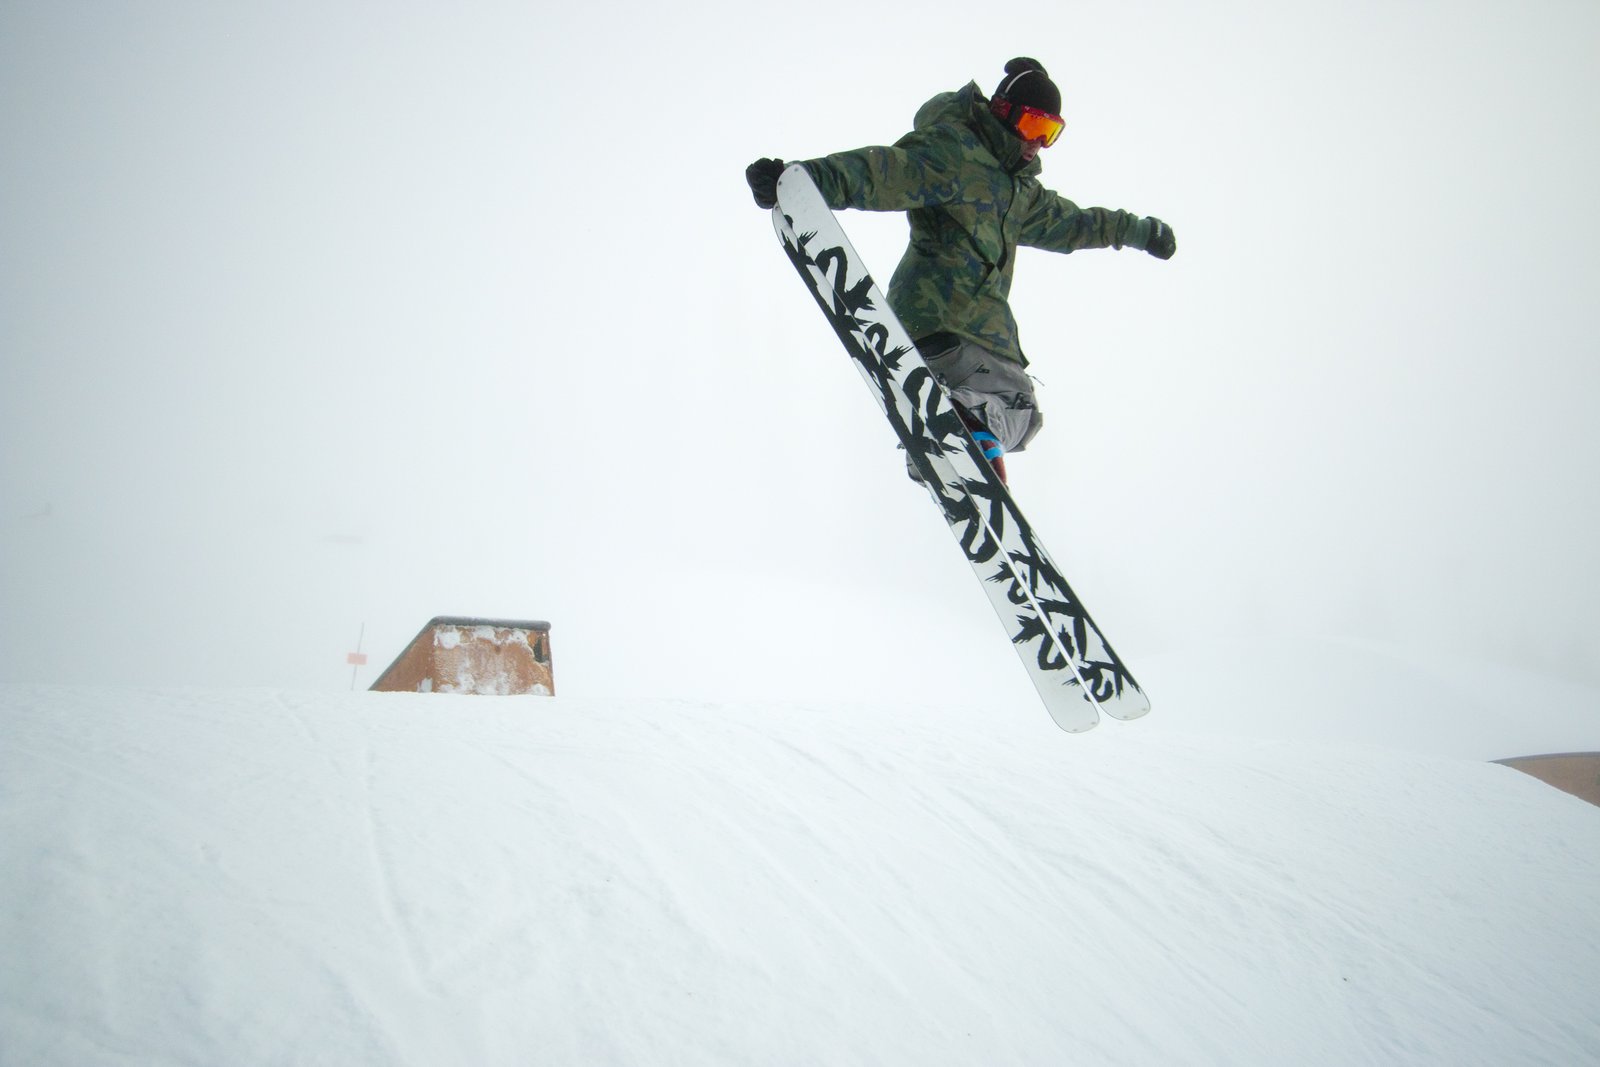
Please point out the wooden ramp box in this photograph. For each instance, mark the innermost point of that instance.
(489, 657)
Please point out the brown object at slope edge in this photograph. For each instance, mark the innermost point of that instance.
(1577, 773)
(458, 654)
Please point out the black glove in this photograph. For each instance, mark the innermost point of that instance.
(763, 178)
(1162, 243)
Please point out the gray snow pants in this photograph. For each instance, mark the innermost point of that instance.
(996, 391)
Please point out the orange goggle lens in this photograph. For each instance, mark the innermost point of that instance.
(1035, 125)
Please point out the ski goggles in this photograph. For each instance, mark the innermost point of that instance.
(1033, 124)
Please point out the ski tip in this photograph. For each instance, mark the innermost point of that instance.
(1068, 709)
(1128, 705)
(1076, 712)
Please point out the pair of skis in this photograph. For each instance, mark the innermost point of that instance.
(1070, 662)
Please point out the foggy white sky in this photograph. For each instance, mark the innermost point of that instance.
(328, 314)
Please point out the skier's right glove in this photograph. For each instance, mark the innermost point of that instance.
(763, 178)
(1161, 242)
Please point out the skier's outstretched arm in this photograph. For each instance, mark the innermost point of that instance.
(911, 173)
(1056, 224)
(899, 177)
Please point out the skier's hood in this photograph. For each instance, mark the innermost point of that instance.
(968, 107)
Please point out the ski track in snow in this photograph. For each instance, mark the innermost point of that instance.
(259, 877)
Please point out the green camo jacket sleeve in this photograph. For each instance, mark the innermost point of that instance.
(1056, 224)
(916, 171)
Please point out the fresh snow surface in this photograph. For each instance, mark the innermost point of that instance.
(261, 877)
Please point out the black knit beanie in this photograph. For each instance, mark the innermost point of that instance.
(1027, 83)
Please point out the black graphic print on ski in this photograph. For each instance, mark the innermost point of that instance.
(1055, 638)
(925, 423)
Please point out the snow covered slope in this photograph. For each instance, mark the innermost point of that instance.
(254, 877)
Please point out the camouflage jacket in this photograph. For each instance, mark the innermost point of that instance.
(971, 200)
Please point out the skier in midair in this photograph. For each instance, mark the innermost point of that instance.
(967, 177)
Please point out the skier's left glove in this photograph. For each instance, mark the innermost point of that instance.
(763, 178)
(1161, 243)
